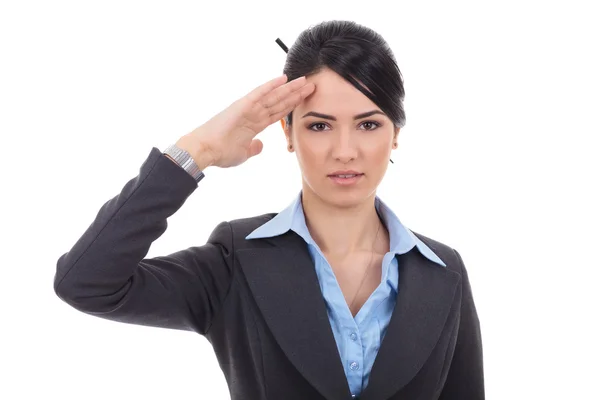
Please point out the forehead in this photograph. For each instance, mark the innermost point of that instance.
(334, 95)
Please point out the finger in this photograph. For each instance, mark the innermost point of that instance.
(260, 91)
(292, 100)
(280, 93)
(256, 147)
(291, 103)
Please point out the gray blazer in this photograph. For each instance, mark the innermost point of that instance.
(259, 304)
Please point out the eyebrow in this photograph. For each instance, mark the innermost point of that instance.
(331, 117)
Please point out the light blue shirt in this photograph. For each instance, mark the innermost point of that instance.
(358, 338)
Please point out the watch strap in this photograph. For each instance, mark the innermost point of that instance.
(185, 161)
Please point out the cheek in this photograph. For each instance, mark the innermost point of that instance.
(311, 158)
(309, 161)
(376, 149)
(308, 148)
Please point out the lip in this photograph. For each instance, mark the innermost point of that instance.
(346, 181)
(345, 172)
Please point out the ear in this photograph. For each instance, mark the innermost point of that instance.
(285, 127)
(395, 140)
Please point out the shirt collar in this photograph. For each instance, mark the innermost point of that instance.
(292, 217)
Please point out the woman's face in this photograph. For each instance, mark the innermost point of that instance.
(324, 146)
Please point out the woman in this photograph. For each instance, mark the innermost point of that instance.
(296, 304)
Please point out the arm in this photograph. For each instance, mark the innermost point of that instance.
(465, 378)
(105, 272)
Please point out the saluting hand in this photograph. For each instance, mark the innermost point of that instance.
(227, 139)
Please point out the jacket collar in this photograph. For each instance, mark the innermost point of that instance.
(292, 218)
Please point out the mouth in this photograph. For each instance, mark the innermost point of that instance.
(345, 179)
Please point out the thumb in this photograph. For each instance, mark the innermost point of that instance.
(255, 148)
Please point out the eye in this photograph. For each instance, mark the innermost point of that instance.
(315, 124)
(375, 123)
(372, 123)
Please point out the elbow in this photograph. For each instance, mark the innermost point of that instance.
(60, 288)
(89, 294)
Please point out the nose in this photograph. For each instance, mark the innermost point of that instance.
(344, 146)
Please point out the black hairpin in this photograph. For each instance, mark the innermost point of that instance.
(285, 48)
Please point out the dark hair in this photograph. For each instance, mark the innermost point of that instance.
(356, 53)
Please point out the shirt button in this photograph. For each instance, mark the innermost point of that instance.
(353, 365)
(353, 336)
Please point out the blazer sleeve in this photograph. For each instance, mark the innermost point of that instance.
(465, 378)
(105, 273)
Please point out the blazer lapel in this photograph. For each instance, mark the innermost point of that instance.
(425, 295)
(284, 283)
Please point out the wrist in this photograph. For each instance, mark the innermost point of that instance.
(199, 151)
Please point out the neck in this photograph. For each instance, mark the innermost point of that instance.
(343, 229)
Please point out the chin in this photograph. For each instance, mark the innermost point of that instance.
(344, 196)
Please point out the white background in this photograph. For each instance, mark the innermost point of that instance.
(499, 159)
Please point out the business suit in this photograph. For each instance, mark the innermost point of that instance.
(358, 337)
(259, 304)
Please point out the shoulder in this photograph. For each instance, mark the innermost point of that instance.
(242, 227)
(234, 232)
(447, 253)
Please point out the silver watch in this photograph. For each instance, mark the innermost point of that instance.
(185, 161)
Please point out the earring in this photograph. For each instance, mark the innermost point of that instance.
(395, 145)
(290, 147)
